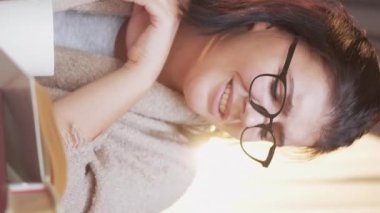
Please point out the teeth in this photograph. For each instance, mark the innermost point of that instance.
(224, 99)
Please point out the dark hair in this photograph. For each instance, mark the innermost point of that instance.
(328, 29)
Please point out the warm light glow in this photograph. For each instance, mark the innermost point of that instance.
(212, 128)
(228, 181)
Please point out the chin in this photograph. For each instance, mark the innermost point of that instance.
(196, 100)
(192, 103)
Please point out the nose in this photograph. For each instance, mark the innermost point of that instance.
(250, 117)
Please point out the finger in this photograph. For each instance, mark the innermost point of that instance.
(162, 12)
(154, 9)
(138, 21)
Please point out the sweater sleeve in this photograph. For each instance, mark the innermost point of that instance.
(73, 137)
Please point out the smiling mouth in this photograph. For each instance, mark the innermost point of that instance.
(224, 99)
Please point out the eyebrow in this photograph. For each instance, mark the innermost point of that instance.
(279, 134)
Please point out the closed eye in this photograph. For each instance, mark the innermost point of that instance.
(274, 90)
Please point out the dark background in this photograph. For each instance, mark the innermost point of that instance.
(367, 14)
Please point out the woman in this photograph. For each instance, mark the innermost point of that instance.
(295, 73)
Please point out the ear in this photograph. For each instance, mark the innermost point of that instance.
(260, 26)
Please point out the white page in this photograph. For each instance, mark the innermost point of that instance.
(27, 34)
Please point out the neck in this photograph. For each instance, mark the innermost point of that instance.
(187, 47)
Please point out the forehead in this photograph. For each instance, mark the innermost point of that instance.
(311, 98)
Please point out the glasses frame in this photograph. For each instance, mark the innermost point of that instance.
(260, 109)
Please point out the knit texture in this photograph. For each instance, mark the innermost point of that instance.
(142, 162)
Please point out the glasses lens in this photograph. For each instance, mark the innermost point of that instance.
(274, 88)
(257, 142)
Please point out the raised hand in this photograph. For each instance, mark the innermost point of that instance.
(94, 107)
(150, 33)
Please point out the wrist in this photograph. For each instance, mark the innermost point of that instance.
(140, 72)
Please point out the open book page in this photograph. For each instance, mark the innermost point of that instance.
(52, 141)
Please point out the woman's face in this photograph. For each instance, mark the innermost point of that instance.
(227, 68)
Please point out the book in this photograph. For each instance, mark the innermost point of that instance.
(36, 197)
(3, 188)
(32, 153)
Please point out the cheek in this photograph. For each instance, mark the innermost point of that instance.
(193, 91)
(204, 79)
(200, 87)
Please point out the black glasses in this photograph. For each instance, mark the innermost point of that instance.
(259, 141)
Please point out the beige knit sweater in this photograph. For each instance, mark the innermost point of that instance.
(142, 163)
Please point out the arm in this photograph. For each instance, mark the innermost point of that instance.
(96, 106)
